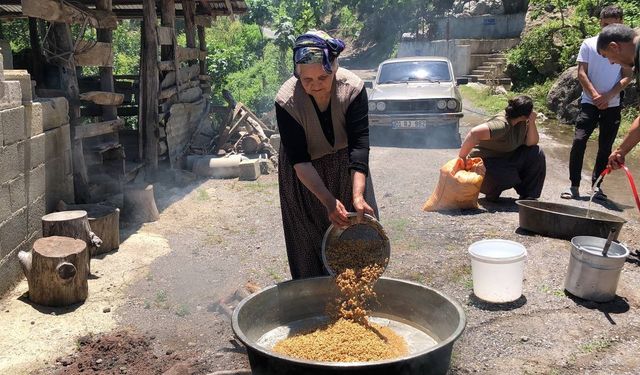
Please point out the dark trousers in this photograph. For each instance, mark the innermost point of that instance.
(589, 118)
(524, 170)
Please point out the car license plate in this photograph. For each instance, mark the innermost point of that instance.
(409, 124)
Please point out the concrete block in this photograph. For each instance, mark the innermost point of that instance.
(37, 150)
(24, 78)
(36, 211)
(10, 94)
(18, 192)
(53, 145)
(7, 55)
(13, 231)
(65, 137)
(46, 113)
(274, 141)
(249, 170)
(37, 183)
(13, 129)
(1, 76)
(11, 161)
(10, 270)
(68, 163)
(5, 202)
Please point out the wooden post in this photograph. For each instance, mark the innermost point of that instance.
(189, 8)
(69, 83)
(151, 85)
(106, 73)
(203, 47)
(36, 50)
(168, 19)
(57, 270)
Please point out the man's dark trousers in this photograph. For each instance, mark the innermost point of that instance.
(589, 118)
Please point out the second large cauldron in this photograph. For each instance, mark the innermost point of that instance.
(563, 221)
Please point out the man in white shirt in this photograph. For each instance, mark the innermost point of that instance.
(601, 84)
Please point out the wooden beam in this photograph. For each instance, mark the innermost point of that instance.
(166, 66)
(165, 36)
(230, 8)
(109, 112)
(98, 128)
(150, 85)
(57, 11)
(93, 54)
(203, 49)
(184, 54)
(204, 21)
(103, 98)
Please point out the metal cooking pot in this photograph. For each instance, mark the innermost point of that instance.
(429, 321)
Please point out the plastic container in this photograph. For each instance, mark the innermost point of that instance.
(591, 275)
(497, 267)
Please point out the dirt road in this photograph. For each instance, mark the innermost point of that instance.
(214, 236)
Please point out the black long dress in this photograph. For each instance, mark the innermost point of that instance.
(304, 217)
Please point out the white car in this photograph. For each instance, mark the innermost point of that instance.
(416, 98)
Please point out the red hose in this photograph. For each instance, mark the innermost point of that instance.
(634, 190)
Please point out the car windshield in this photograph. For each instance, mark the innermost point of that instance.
(405, 71)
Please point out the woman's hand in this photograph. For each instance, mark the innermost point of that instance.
(337, 214)
(362, 207)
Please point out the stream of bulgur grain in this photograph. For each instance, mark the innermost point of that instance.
(350, 337)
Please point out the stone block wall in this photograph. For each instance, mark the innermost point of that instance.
(35, 166)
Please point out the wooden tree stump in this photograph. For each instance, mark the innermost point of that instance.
(140, 204)
(57, 270)
(104, 222)
(74, 224)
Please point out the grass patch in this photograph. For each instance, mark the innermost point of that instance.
(482, 99)
(462, 275)
(595, 346)
(274, 275)
(182, 311)
(555, 292)
(202, 195)
(161, 296)
(397, 226)
(147, 304)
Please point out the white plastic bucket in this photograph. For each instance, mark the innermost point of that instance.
(497, 267)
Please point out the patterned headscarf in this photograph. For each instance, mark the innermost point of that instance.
(316, 47)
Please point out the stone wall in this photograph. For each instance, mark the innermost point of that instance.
(460, 55)
(35, 166)
(461, 52)
(479, 27)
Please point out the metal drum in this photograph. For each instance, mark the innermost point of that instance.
(429, 321)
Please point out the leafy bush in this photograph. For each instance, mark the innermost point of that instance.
(547, 51)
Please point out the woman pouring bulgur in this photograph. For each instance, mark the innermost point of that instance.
(322, 115)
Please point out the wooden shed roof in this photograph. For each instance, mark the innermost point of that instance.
(125, 9)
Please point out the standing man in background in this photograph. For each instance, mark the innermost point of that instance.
(602, 82)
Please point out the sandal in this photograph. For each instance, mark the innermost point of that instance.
(570, 193)
(599, 194)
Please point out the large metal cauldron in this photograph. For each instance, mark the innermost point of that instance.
(562, 221)
(429, 321)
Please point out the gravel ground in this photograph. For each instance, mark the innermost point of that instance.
(225, 234)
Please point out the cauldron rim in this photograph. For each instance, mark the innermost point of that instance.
(536, 205)
(447, 341)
